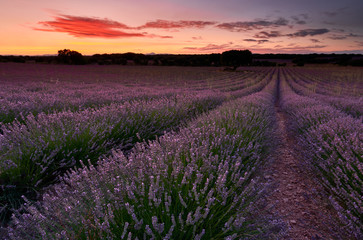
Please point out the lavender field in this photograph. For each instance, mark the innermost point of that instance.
(146, 152)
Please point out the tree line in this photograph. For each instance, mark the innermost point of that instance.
(232, 59)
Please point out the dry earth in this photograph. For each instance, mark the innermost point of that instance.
(295, 197)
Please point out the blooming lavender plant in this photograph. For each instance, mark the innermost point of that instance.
(50, 88)
(333, 144)
(195, 184)
(349, 103)
(34, 153)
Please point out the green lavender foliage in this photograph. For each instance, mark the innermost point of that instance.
(195, 184)
(35, 153)
(333, 143)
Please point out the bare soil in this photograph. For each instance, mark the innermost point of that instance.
(296, 198)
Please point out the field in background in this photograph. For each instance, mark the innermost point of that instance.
(167, 152)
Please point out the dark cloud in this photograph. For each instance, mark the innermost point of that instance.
(334, 13)
(271, 34)
(309, 47)
(250, 40)
(251, 25)
(354, 35)
(90, 27)
(338, 30)
(280, 22)
(165, 24)
(330, 14)
(158, 36)
(298, 20)
(308, 32)
(301, 22)
(257, 41)
(300, 48)
(262, 41)
(300, 33)
(330, 23)
(304, 15)
(337, 37)
(296, 49)
(315, 40)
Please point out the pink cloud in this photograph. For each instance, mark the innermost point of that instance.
(315, 40)
(197, 38)
(299, 48)
(215, 47)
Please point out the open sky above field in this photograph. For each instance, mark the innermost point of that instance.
(188, 26)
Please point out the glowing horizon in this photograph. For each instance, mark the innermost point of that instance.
(190, 27)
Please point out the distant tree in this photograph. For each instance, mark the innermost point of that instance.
(300, 61)
(236, 58)
(68, 56)
(215, 59)
(264, 63)
(343, 60)
(356, 62)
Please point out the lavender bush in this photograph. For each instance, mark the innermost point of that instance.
(329, 81)
(333, 144)
(197, 179)
(195, 184)
(71, 100)
(34, 153)
(262, 81)
(349, 103)
(52, 88)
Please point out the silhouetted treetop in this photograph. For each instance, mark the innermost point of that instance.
(68, 56)
(236, 58)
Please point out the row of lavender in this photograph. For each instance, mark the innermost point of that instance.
(234, 81)
(37, 151)
(17, 104)
(332, 81)
(194, 184)
(348, 103)
(19, 96)
(334, 149)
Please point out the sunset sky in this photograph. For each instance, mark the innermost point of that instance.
(36, 27)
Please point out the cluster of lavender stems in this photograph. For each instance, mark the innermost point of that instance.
(193, 184)
(174, 158)
(333, 148)
(37, 151)
(49, 89)
(41, 138)
(348, 101)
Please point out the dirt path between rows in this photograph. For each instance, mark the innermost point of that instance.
(296, 198)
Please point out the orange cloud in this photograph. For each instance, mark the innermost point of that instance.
(90, 27)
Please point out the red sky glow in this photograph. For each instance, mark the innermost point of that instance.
(181, 27)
